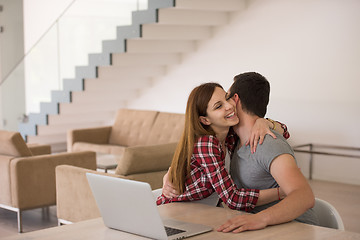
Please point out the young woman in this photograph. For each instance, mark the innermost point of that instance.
(198, 169)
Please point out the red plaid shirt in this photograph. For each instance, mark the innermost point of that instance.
(208, 175)
(286, 134)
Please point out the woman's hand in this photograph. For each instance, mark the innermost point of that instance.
(282, 194)
(258, 132)
(168, 189)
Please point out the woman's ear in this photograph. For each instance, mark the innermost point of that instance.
(204, 120)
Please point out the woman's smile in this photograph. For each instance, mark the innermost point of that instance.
(231, 115)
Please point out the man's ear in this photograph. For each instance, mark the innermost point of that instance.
(236, 98)
(204, 120)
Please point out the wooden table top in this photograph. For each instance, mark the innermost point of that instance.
(191, 212)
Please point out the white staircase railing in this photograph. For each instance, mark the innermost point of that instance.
(49, 66)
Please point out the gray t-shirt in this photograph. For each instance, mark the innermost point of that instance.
(253, 170)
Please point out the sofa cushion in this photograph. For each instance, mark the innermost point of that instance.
(153, 178)
(144, 159)
(167, 128)
(96, 135)
(12, 144)
(131, 127)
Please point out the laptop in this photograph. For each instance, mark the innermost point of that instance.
(130, 206)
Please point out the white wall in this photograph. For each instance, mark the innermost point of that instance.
(12, 90)
(1, 114)
(38, 16)
(308, 49)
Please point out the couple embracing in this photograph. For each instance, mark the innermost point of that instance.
(229, 153)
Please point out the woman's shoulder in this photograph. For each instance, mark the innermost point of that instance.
(207, 145)
(207, 139)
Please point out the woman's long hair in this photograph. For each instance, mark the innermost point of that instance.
(196, 106)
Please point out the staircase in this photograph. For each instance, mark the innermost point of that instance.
(142, 52)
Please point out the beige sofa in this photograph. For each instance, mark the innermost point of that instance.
(27, 181)
(144, 143)
(131, 128)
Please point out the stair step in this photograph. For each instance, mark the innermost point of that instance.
(147, 52)
(159, 46)
(175, 32)
(145, 59)
(104, 97)
(112, 84)
(47, 139)
(102, 116)
(63, 128)
(92, 107)
(179, 16)
(118, 72)
(223, 5)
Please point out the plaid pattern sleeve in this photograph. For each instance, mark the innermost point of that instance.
(208, 175)
(286, 134)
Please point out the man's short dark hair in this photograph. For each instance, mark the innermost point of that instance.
(253, 90)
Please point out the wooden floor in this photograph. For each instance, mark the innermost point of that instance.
(345, 198)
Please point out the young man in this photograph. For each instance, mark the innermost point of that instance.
(272, 165)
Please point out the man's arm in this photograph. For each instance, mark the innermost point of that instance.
(299, 199)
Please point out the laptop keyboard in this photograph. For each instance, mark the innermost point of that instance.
(172, 231)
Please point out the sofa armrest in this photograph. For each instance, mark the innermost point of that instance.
(145, 159)
(99, 135)
(33, 178)
(74, 199)
(37, 149)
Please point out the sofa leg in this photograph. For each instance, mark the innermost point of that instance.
(63, 222)
(19, 219)
(19, 216)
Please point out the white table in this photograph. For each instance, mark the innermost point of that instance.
(106, 161)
